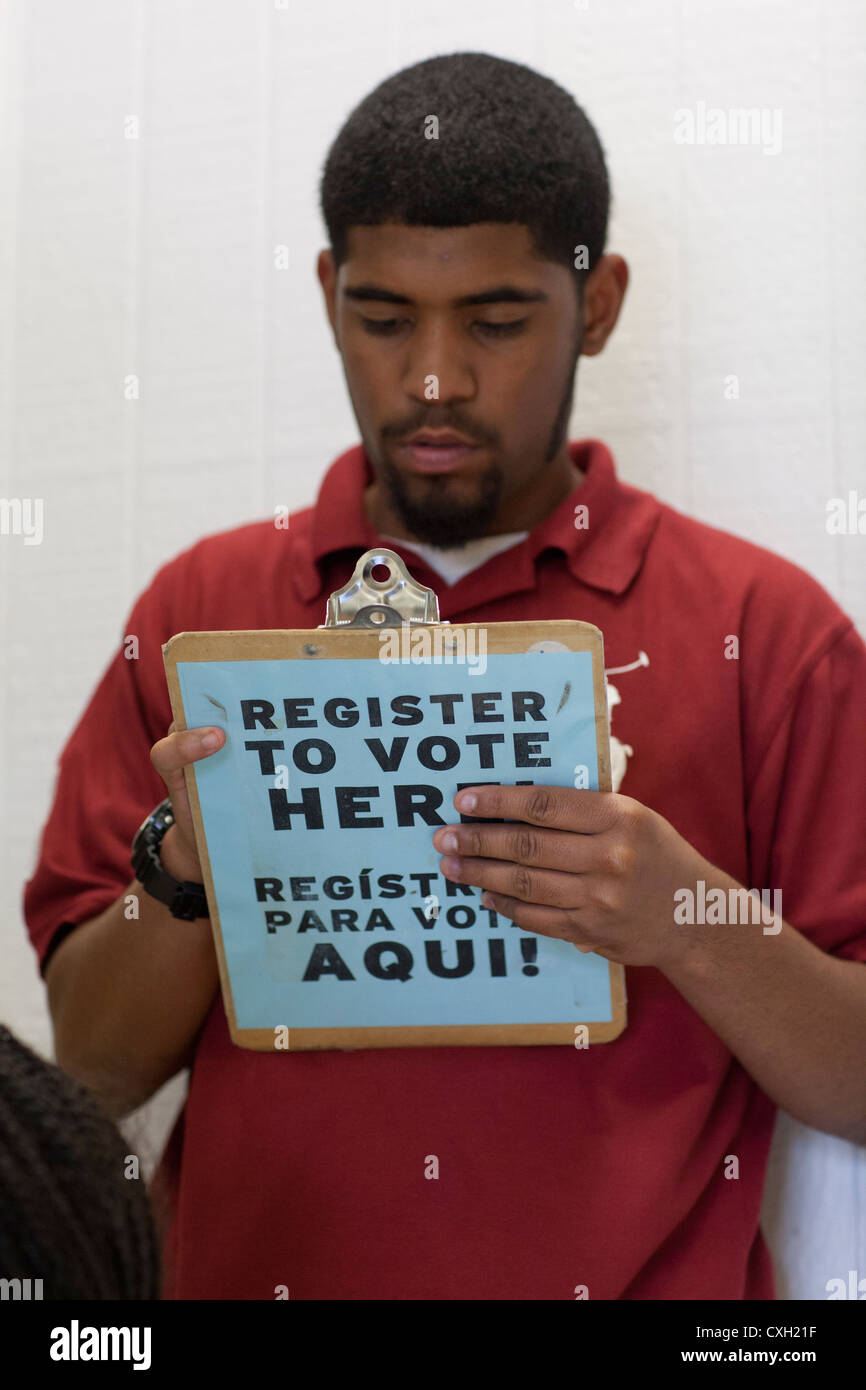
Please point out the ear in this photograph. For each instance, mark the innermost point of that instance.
(326, 271)
(603, 296)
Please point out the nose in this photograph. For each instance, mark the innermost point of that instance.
(438, 366)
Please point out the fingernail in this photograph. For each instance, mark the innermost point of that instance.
(449, 840)
(210, 740)
(466, 801)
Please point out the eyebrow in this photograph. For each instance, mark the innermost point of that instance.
(500, 294)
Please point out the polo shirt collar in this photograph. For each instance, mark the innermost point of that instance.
(605, 552)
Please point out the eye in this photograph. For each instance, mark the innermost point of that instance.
(379, 325)
(501, 330)
(493, 330)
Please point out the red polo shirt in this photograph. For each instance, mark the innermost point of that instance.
(557, 1167)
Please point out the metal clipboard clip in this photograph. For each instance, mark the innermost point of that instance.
(367, 602)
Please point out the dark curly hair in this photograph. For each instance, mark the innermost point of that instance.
(68, 1215)
(512, 146)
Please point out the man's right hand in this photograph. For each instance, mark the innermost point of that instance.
(170, 755)
(129, 996)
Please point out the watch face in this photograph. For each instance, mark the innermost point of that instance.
(159, 812)
(159, 819)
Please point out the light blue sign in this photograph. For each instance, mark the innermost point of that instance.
(319, 814)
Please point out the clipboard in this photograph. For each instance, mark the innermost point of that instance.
(345, 746)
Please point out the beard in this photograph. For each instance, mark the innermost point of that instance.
(432, 516)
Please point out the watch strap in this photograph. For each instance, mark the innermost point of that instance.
(184, 899)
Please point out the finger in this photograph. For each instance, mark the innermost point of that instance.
(562, 808)
(172, 753)
(546, 887)
(520, 843)
(545, 921)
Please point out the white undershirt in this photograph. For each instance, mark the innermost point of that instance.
(453, 563)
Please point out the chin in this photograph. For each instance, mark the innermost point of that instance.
(445, 509)
(446, 531)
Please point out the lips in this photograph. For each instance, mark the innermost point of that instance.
(437, 451)
(438, 438)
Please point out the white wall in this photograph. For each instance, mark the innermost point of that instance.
(154, 256)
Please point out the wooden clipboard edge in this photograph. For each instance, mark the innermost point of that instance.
(462, 1035)
(230, 644)
(177, 710)
(233, 644)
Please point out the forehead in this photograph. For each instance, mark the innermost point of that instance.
(444, 262)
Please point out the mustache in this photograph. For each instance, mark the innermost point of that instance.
(397, 433)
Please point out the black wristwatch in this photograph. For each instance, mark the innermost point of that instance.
(185, 900)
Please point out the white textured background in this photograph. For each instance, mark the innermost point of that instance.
(155, 256)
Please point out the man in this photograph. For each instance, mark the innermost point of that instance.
(466, 273)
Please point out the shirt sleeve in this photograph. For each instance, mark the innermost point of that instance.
(105, 783)
(807, 813)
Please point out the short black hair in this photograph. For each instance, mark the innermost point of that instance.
(513, 146)
(70, 1217)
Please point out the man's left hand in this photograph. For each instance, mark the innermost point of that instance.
(594, 868)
